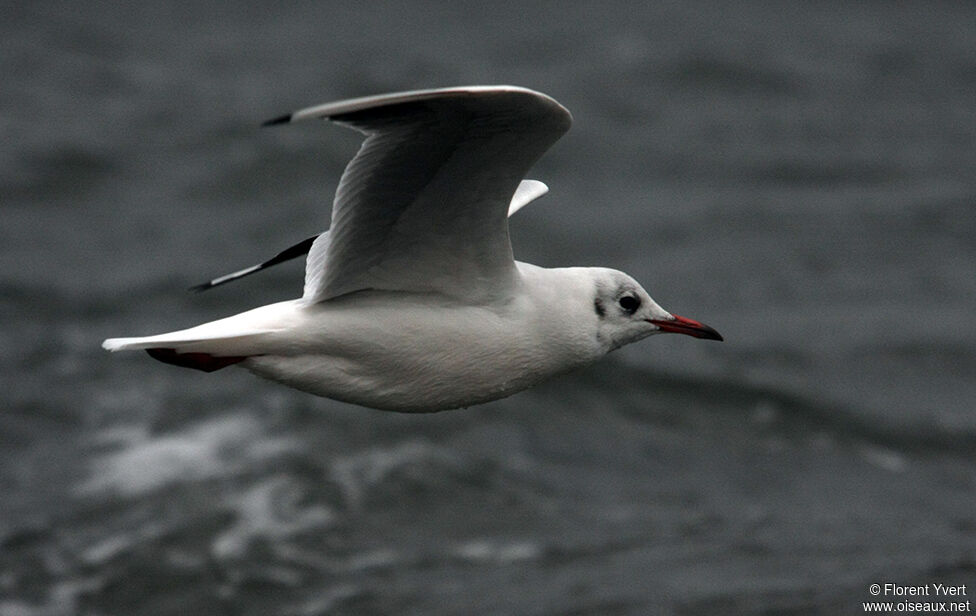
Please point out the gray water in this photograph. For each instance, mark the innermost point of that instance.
(800, 177)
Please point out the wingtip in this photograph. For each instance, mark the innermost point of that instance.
(285, 119)
(112, 344)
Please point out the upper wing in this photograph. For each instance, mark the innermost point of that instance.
(423, 206)
(527, 192)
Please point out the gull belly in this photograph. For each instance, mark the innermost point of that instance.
(390, 351)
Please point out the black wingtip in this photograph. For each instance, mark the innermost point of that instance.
(197, 288)
(285, 119)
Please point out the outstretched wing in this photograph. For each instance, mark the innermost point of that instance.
(527, 192)
(423, 206)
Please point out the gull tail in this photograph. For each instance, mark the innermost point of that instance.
(213, 345)
(183, 351)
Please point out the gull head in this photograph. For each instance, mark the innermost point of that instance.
(626, 312)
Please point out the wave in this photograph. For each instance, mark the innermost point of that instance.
(671, 397)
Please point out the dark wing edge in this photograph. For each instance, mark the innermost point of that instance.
(292, 252)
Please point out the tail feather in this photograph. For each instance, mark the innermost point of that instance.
(183, 342)
(217, 344)
(193, 349)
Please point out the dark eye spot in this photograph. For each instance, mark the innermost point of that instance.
(598, 307)
(629, 303)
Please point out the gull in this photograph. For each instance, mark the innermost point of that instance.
(412, 300)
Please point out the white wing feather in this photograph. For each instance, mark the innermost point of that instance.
(423, 206)
(527, 192)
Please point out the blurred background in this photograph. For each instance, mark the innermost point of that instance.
(797, 175)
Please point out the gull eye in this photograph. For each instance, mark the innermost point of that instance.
(629, 303)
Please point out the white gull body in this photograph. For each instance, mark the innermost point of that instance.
(412, 300)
